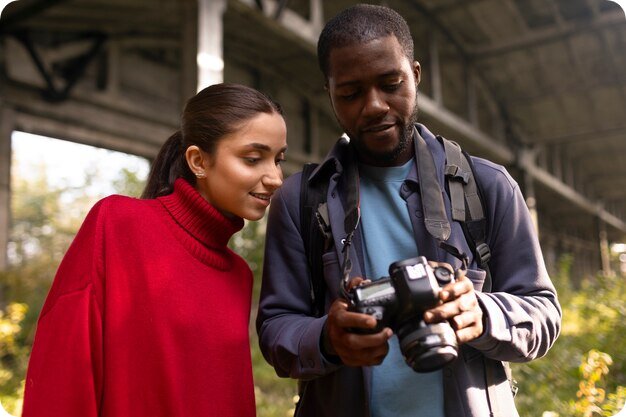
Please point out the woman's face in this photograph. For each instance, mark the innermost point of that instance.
(244, 171)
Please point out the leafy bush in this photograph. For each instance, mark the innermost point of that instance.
(13, 357)
(593, 321)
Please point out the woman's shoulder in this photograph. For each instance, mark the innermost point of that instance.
(118, 208)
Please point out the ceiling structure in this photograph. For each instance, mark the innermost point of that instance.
(536, 85)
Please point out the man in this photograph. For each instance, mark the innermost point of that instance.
(366, 55)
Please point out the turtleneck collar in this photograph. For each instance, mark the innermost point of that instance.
(198, 217)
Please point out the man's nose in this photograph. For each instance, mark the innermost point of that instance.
(375, 104)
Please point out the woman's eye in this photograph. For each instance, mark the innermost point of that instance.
(252, 160)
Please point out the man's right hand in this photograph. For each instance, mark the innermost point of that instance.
(354, 349)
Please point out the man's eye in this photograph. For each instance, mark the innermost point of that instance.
(350, 96)
(392, 87)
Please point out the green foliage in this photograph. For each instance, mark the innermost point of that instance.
(275, 397)
(13, 357)
(592, 321)
(129, 183)
(45, 219)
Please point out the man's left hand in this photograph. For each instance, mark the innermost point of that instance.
(460, 308)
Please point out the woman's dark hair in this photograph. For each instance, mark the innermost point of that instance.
(213, 113)
(360, 24)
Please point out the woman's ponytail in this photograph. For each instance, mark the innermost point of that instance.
(169, 165)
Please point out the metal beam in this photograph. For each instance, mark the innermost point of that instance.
(542, 36)
(593, 135)
(22, 11)
(72, 132)
(568, 193)
(110, 127)
(307, 30)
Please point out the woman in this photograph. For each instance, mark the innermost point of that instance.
(148, 313)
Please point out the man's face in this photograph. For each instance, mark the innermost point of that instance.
(373, 91)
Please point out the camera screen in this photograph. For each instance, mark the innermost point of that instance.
(375, 290)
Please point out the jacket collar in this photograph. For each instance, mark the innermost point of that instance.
(341, 152)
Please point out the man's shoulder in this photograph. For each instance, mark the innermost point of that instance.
(490, 174)
(289, 193)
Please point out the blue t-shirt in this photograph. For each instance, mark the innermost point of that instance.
(397, 390)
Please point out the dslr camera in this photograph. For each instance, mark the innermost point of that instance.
(399, 301)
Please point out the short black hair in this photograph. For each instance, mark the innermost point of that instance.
(360, 24)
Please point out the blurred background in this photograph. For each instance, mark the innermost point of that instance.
(90, 89)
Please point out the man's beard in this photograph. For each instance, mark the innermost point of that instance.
(406, 138)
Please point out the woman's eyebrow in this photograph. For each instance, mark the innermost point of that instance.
(263, 147)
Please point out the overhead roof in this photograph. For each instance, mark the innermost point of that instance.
(548, 79)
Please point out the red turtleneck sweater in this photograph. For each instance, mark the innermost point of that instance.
(148, 316)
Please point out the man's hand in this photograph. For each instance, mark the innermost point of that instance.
(460, 308)
(354, 349)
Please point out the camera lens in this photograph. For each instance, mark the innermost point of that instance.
(428, 347)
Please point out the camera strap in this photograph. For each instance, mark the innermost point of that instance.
(351, 219)
(435, 218)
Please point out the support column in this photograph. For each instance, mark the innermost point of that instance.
(531, 200)
(605, 257)
(472, 106)
(210, 42)
(528, 156)
(435, 72)
(6, 129)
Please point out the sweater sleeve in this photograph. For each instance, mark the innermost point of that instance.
(65, 370)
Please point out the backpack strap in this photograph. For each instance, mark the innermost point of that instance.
(469, 210)
(467, 204)
(315, 232)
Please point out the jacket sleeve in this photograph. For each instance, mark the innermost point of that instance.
(522, 316)
(289, 335)
(64, 375)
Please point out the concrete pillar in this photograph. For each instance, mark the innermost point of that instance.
(6, 129)
(531, 200)
(435, 70)
(605, 257)
(528, 157)
(210, 42)
(189, 47)
(472, 100)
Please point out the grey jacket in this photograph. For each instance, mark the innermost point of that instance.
(522, 316)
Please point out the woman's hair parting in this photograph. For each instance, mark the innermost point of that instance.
(214, 112)
(360, 24)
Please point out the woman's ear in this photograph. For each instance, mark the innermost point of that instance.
(196, 160)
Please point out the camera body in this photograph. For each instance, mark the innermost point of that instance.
(399, 302)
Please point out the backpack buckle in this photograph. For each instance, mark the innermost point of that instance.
(454, 172)
(483, 253)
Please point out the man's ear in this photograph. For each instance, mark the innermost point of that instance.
(196, 160)
(417, 72)
(330, 99)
